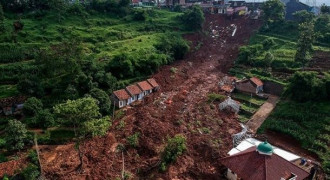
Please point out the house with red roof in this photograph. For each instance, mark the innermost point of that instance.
(262, 162)
(154, 84)
(253, 85)
(135, 92)
(145, 87)
(121, 98)
(131, 93)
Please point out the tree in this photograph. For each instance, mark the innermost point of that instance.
(2, 19)
(96, 127)
(306, 86)
(44, 119)
(325, 9)
(31, 85)
(173, 44)
(193, 18)
(16, 134)
(174, 148)
(273, 11)
(305, 41)
(304, 16)
(32, 106)
(104, 102)
(76, 112)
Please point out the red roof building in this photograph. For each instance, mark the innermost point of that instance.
(256, 81)
(153, 83)
(122, 94)
(253, 164)
(133, 90)
(145, 86)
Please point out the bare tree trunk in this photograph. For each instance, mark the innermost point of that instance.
(123, 171)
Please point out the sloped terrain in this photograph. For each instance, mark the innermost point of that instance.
(180, 107)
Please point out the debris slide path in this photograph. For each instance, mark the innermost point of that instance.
(207, 130)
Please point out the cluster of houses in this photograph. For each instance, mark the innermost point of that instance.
(135, 92)
(228, 84)
(231, 7)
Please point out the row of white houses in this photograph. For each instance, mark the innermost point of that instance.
(132, 93)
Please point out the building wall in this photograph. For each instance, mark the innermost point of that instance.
(246, 86)
(294, 6)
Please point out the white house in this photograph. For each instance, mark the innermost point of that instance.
(121, 98)
(135, 92)
(145, 87)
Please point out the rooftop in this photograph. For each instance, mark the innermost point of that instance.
(121, 94)
(153, 82)
(251, 165)
(144, 85)
(256, 81)
(133, 89)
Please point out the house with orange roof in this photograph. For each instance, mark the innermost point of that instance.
(145, 87)
(121, 98)
(154, 84)
(135, 92)
(253, 85)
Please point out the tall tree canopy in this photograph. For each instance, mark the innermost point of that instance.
(16, 134)
(306, 86)
(193, 17)
(273, 11)
(305, 42)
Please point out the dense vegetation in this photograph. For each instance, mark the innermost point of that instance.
(280, 52)
(68, 57)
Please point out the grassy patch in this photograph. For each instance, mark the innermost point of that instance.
(8, 91)
(247, 98)
(309, 123)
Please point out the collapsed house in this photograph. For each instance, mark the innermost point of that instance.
(230, 105)
(256, 160)
(132, 93)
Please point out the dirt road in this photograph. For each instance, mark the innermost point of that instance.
(261, 115)
(207, 130)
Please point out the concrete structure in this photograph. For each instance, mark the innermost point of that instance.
(230, 104)
(135, 92)
(121, 98)
(253, 85)
(255, 160)
(132, 93)
(145, 87)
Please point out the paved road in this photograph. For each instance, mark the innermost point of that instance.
(260, 116)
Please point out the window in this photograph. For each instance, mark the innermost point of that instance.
(121, 103)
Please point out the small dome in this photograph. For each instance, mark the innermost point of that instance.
(265, 148)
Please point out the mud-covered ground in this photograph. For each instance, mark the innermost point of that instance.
(180, 107)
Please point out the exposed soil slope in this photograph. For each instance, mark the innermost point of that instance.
(180, 107)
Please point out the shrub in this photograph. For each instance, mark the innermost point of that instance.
(174, 148)
(133, 140)
(215, 97)
(32, 106)
(140, 15)
(268, 43)
(31, 172)
(33, 157)
(269, 58)
(193, 18)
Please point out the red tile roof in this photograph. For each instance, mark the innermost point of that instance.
(227, 88)
(153, 82)
(250, 165)
(144, 85)
(121, 94)
(257, 81)
(133, 89)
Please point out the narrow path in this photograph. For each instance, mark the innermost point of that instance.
(260, 116)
